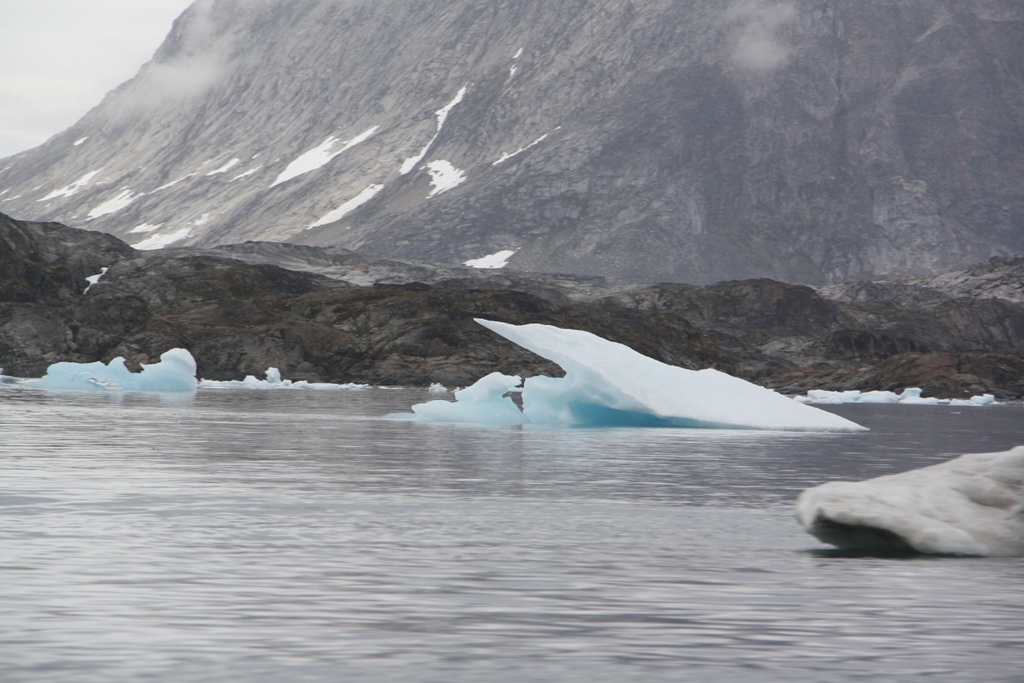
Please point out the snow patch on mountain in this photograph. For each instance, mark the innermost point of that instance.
(145, 227)
(442, 115)
(496, 260)
(79, 141)
(349, 206)
(246, 174)
(114, 205)
(225, 168)
(508, 155)
(444, 176)
(71, 189)
(321, 155)
(161, 241)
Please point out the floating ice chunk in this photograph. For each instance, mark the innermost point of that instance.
(983, 400)
(496, 260)
(93, 279)
(274, 381)
(970, 505)
(349, 206)
(442, 116)
(484, 402)
(437, 388)
(176, 372)
(161, 241)
(607, 383)
(878, 397)
(225, 168)
(113, 205)
(444, 176)
(71, 189)
(912, 396)
(321, 155)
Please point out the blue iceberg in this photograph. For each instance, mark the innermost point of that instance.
(175, 373)
(609, 384)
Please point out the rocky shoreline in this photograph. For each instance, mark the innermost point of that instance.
(334, 315)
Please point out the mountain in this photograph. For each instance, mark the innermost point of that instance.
(809, 141)
(337, 315)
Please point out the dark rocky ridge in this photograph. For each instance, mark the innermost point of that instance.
(338, 316)
(809, 141)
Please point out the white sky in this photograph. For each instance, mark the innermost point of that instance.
(58, 58)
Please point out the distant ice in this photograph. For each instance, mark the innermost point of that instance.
(274, 381)
(437, 388)
(318, 156)
(444, 176)
(225, 168)
(176, 372)
(442, 116)
(909, 396)
(508, 155)
(246, 174)
(161, 241)
(971, 505)
(71, 189)
(609, 384)
(145, 227)
(80, 141)
(496, 260)
(93, 279)
(351, 205)
(114, 205)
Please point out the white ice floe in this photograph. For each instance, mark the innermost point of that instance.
(175, 373)
(496, 260)
(274, 381)
(349, 206)
(225, 168)
(161, 241)
(321, 155)
(145, 227)
(93, 279)
(438, 388)
(971, 505)
(113, 205)
(609, 384)
(71, 189)
(442, 116)
(444, 176)
(246, 174)
(909, 396)
(79, 141)
(505, 156)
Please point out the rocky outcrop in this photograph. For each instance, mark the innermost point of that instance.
(336, 315)
(810, 141)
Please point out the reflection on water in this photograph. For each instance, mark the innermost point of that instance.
(269, 536)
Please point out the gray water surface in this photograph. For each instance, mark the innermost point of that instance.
(297, 536)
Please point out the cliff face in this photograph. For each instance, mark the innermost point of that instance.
(805, 140)
(336, 315)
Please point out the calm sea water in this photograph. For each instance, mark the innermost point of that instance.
(298, 536)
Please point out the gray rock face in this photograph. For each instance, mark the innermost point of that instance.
(340, 316)
(805, 140)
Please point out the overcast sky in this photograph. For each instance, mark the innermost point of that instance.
(58, 58)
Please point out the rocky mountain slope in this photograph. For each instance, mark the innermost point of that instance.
(809, 141)
(339, 316)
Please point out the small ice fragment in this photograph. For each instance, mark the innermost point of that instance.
(484, 402)
(176, 372)
(274, 381)
(966, 506)
(437, 388)
(912, 396)
(93, 279)
(273, 375)
(496, 260)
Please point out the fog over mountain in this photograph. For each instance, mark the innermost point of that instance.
(648, 140)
